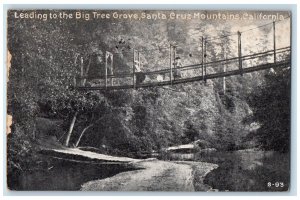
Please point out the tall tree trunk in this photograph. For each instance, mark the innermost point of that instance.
(82, 133)
(71, 129)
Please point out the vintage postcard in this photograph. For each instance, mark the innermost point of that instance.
(148, 100)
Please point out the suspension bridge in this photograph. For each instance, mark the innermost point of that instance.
(239, 65)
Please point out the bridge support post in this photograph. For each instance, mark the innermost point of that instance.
(202, 57)
(105, 75)
(171, 47)
(74, 82)
(112, 69)
(274, 41)
(224, 78)
(133, 70)
(81, 71)
(205, 55)
(240, 52)
(174, 57)
(109, 55)
(87, 71)
(139, 60)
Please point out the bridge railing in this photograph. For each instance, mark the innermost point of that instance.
(248, 60)
(188, 71)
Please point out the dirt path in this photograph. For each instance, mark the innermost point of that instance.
(155, 176)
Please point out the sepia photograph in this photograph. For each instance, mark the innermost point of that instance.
(148, 100)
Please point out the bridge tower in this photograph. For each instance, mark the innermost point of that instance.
(109, 66)
(136, 63)
(173, 49)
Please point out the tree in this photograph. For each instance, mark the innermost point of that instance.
(271, 109)
(42, 73)
(190, 133)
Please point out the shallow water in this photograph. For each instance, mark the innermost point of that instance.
(65, 175)
(245, 170)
